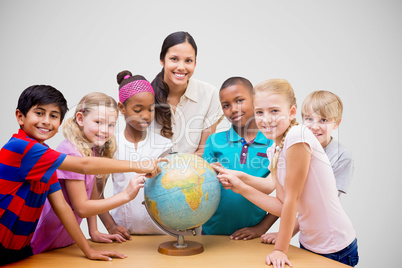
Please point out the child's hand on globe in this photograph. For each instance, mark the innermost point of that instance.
(227, 178)
(237, 173)
(149, 167)
(136, 183)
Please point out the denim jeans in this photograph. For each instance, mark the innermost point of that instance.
(348, 255)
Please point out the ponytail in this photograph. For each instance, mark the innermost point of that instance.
(163, 114)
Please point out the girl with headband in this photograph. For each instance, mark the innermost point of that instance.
(136, 142)
(90, 132)
(187, 110)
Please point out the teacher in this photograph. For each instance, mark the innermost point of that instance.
(187, 110)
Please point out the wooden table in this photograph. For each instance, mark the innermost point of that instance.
(219, 251)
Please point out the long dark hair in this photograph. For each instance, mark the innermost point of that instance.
(163, 115)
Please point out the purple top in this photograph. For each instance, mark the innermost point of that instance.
(50, 232)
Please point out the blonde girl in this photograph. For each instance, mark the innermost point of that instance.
(90, 132)
(304, 180)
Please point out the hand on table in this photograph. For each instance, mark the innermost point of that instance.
(103, 255)
(106, 238)
(120, 230)
(269, 238)
(278, 259)
(248, 233)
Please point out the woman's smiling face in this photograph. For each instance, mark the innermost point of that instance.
(179, 64)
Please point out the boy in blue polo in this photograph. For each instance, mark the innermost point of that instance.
(243, 147)
(28, 175)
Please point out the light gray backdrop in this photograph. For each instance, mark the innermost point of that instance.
(352, 48)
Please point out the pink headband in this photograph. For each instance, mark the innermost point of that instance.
(134, 88)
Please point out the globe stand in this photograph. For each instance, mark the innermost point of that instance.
(180, 242)
(181, 248)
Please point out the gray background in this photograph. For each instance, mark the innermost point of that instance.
(352, 48)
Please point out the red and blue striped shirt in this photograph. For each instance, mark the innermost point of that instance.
(27, 176)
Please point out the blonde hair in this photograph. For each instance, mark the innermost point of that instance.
(325, 104)
(279, 87)
(73, 132)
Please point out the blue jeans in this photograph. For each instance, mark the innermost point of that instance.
(348, 255)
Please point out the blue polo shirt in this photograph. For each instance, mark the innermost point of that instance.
(233, 152)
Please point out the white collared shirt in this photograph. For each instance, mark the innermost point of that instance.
(198, 109)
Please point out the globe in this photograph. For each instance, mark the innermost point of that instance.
(183, 196)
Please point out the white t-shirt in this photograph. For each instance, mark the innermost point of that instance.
(133, 215)
(198, 109)
(324, 226)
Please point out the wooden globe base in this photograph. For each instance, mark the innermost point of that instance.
(169, 248)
